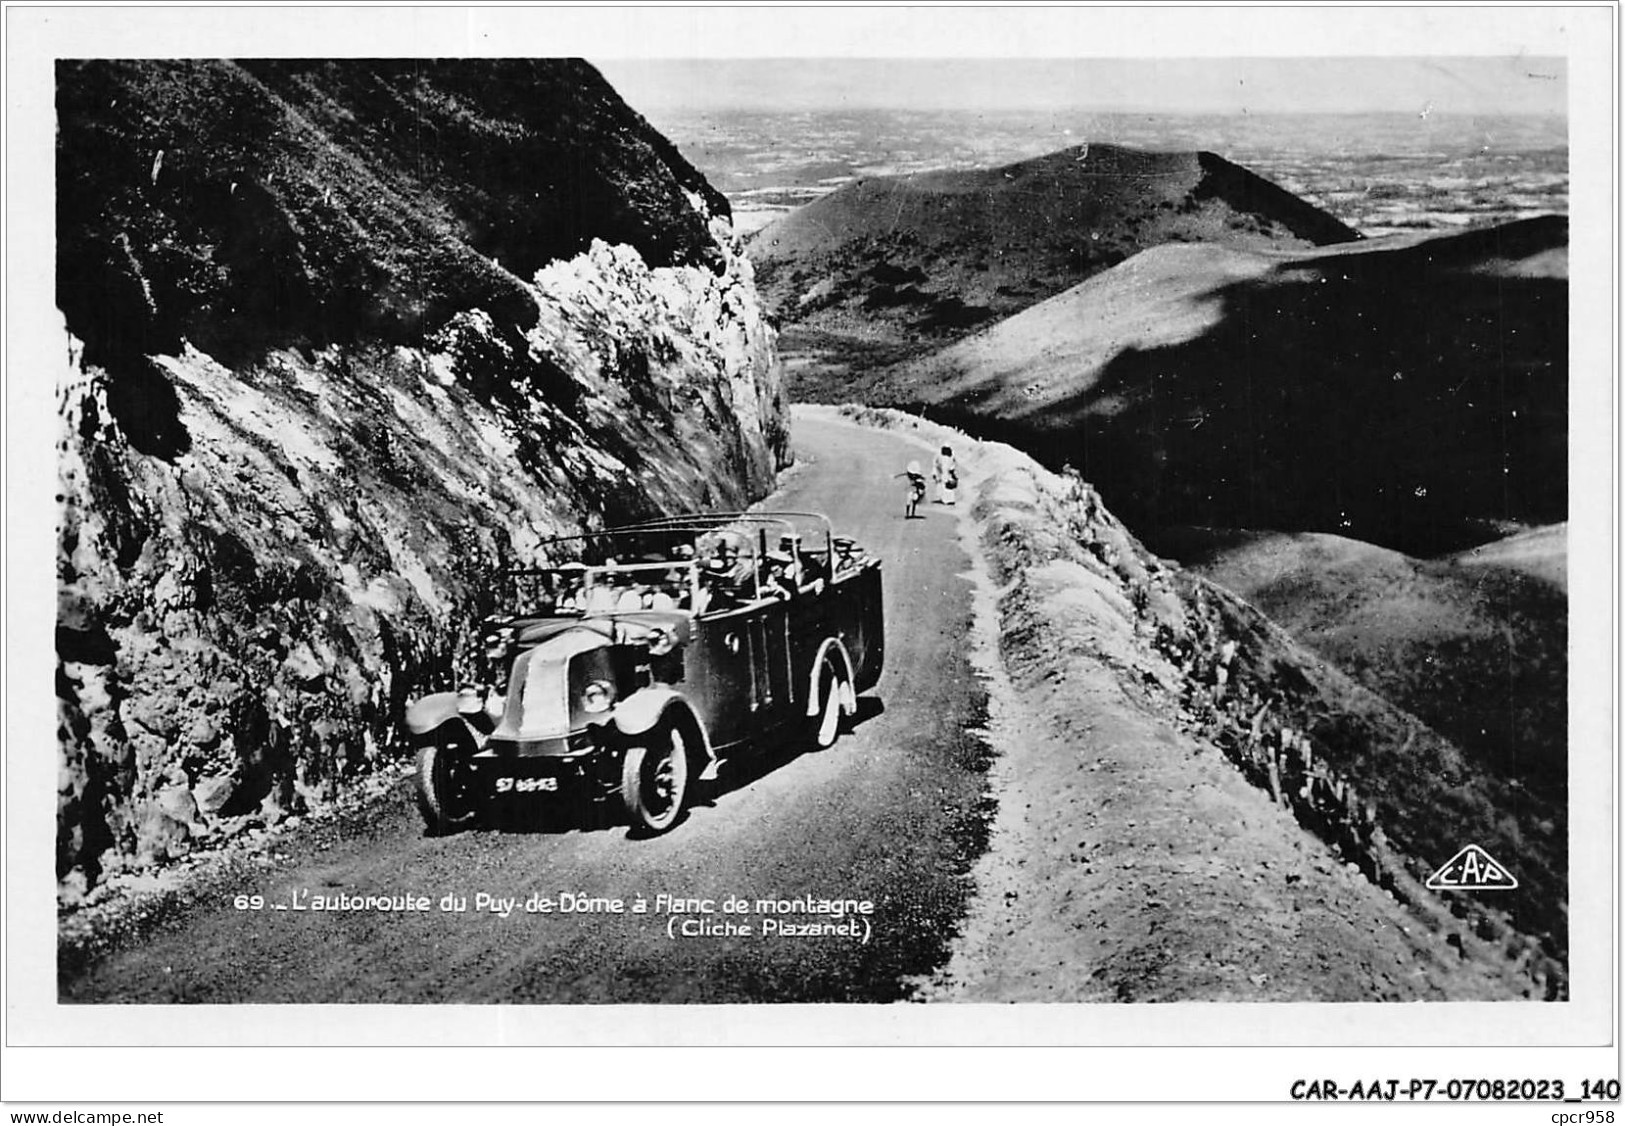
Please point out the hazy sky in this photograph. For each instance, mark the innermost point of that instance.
(1520, 84)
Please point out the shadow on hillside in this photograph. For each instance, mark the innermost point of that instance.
(1409, 397)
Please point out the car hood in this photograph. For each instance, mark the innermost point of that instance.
(541, 702)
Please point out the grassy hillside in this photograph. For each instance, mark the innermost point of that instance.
(936, 254)
(1478, 651)
(1410, 393)
(1540, 552)
(1079, 595)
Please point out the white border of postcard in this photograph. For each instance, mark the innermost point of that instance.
(1513, 1039)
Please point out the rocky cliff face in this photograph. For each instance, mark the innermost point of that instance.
(343, 338)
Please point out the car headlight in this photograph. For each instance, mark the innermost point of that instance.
(598, 696)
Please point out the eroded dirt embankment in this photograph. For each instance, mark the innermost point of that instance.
(1191, 807)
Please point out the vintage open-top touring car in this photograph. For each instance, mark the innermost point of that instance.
(633, 661)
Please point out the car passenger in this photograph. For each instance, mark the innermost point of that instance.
(810, 570)
(604, 593)
(632, 597)
(567, 594)
(682, 589)
(718, 591)
(790, 548)
(668, 593)
(777, 581)
(847, 553)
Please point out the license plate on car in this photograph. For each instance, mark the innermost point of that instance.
(526, 785)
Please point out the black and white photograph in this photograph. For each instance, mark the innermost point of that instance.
(1016, 538)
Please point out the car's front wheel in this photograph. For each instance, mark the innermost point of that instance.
(654, 779)
(445, 788)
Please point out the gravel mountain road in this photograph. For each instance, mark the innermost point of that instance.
(894, 814)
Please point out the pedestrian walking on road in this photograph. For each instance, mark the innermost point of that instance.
(945, 472)
(915, 490)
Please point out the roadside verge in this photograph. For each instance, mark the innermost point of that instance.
(1190, 806)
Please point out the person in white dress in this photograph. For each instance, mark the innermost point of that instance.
(945, 472)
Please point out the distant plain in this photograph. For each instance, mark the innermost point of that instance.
(1379, 173)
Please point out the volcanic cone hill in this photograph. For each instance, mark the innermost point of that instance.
(937, 254)
(344, 337)
(1411, 393)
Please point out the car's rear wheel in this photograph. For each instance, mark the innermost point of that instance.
(654, 779)
(826, 718)
(445, 788)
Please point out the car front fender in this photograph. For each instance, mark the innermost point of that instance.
(646, 707)
(643, 709)
(438, 709)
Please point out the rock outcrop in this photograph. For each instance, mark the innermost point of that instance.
(343, 338)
